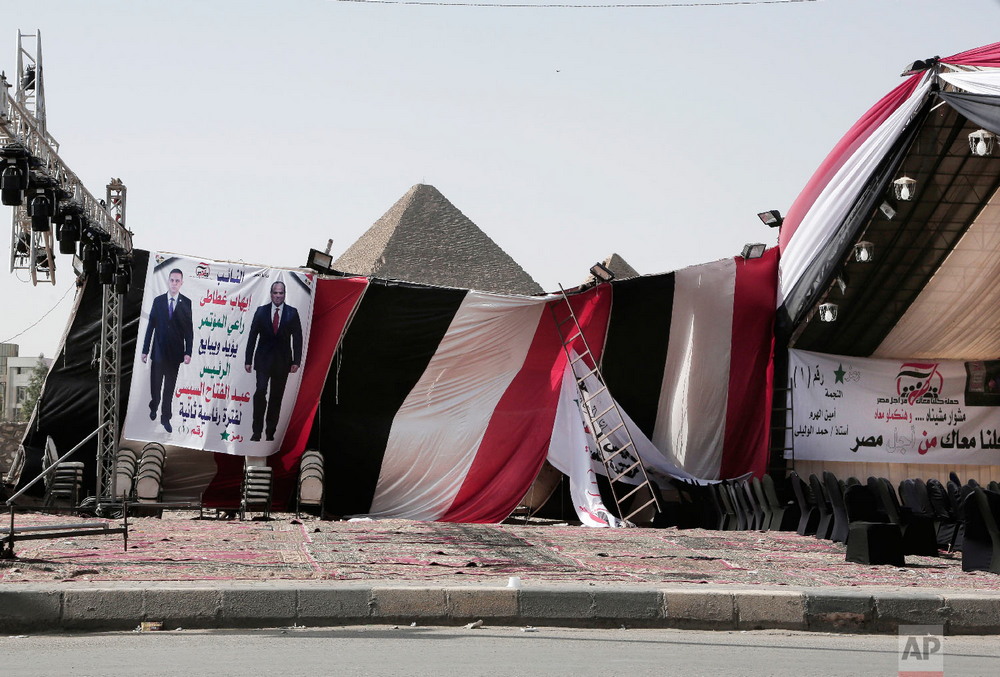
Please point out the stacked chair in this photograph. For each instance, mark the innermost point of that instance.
(256, 491)
(946, 513)
(149, 476)
(735, 505)
(126, 466)
(62, 485)
(311, 482)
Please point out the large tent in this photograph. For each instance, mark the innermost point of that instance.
(441, 403)
(920, 195)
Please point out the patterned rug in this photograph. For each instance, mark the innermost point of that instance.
(179, 548)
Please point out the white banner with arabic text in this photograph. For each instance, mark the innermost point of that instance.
(219, 354)
(895, 411)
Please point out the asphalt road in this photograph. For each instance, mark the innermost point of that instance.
(461, 652)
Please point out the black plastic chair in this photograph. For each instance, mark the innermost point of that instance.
(825, 526)
(728, 519)
(981, 548)
(870, 539)
(946, 514)
(755, 512)
(744, 517)
(784, 514)
(838, 532)
(808, 514)
(762, 503)
(919, 537)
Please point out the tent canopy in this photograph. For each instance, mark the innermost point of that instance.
(929, 290)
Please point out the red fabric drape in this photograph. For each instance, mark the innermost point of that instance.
(987, 55)
(846, 147)
(332, 307)
(502, 472)
(748, 409)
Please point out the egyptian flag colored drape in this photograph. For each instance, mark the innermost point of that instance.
(440, 404)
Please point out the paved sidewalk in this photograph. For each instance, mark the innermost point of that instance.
(187, 572)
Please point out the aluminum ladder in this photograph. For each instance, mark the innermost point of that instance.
(620, 462)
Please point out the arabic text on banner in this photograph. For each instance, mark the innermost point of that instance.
(196, 380)
(895, 411)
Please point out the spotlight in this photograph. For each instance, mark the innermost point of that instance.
(903, 188)
(90, 253)
(106, 268)
(919, 66)
(828, 312)
(123, 278)
(68, 227)
(981, 142)
(41, 208)
(771, 219)
(753, 251)
(887, 210)
(319, 261)
(602, 272)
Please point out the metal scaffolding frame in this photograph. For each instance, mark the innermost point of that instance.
(22, 126)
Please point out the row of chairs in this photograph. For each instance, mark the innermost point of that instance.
(745, 504)
(881, 526)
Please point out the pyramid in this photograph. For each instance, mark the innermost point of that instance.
(424, 238)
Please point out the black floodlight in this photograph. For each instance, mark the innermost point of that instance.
(123, 277)
(69, 227)
(107, 267)
(319, 261)
(771, 219)
(919, 66)
(753, 251)
(41, 208)
(601, 272)
(90, 253)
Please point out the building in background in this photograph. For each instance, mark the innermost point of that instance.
(17, 375)
(7, 350)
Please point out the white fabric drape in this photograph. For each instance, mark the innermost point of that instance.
(975, 82)
(437, 431)
(830, 209)
(691, 418)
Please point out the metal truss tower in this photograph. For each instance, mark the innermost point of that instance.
(28, 150)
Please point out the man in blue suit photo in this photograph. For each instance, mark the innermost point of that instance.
(170, 333)
(274, 350)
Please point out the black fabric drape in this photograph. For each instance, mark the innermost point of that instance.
(982, 109)
(68, 409)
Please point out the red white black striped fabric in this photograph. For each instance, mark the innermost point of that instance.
(440, 404)
(812, 232)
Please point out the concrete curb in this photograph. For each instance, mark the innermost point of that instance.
(102, 607)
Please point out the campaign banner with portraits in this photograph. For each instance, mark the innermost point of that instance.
(218, 355)
(895, 410)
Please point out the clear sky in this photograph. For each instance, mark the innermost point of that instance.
(255, 130)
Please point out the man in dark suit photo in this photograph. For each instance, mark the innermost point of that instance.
(170, 332)
(274, 350)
